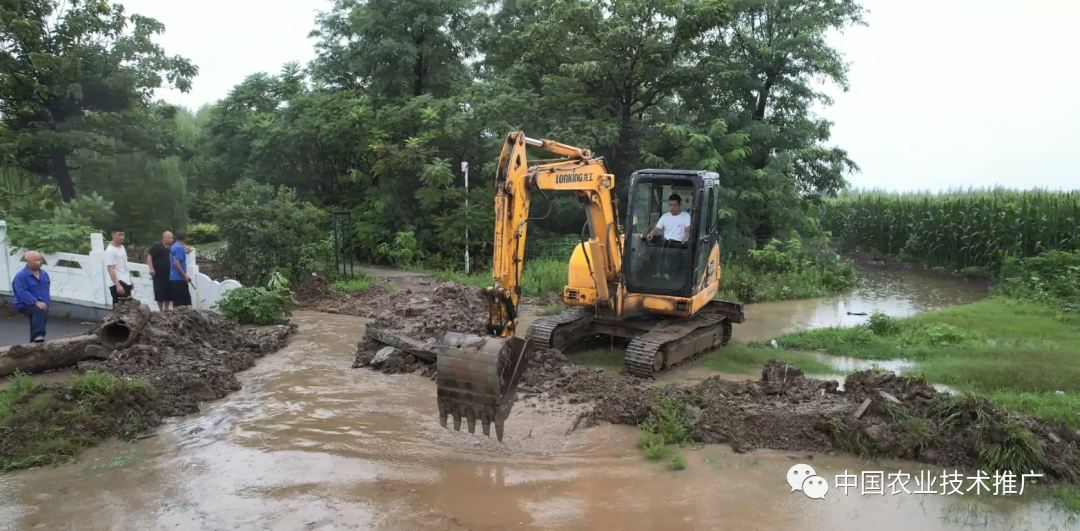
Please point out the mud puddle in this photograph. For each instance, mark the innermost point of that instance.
(308, 443)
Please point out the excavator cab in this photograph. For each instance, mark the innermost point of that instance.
(662, 266)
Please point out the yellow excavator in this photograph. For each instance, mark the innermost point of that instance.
(653, 290)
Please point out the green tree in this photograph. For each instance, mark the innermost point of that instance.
(267, 228)
(79, 75)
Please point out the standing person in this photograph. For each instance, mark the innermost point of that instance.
(178, 277)
(32, 299)
(116, 261)
(159, 259)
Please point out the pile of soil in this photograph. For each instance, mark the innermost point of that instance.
(551, 375)
(191, 356)
(185, 355)
(420, 315)
(877, 415)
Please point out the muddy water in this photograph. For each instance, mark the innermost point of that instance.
(309, 443)
(895, 292)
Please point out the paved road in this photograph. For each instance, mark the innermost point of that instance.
(16, 329)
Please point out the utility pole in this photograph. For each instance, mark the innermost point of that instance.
(465, 169)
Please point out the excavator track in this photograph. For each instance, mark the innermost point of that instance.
(674, 342)
(559, 331)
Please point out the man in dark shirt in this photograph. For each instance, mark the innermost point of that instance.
(160, 263)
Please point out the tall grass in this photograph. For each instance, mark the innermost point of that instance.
(957, 229)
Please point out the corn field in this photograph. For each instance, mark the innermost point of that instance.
(959, 230)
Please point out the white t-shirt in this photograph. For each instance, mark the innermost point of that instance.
(117, 257)
(674, 227)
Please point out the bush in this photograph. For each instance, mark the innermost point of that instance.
(201, 233)
(62, 228)
(257, 305)
(1052, 277)
(268, 229)
(784, 271)
(404, 252)
(49, 237)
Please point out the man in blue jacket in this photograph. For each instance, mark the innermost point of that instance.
(31, 288)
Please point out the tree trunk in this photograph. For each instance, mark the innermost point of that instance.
(55, 354)
(62, 174)
(122, 327)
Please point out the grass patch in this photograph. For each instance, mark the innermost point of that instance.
(1018, 354)
(356, 284)
(40, 425)
(737, 358)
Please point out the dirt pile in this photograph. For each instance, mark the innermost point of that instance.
(549, 373)
(878, 414)
(191, 356)
(180, 358)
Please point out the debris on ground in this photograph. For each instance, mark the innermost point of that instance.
(180, 358)
(412, 321)
(879, 414)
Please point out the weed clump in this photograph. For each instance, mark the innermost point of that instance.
(665, 430)
(44, 424)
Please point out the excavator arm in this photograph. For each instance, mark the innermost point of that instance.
(478, 374)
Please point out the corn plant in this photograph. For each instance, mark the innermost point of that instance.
(959, 230)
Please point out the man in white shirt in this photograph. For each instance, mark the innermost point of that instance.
(116, 261)
(675, 224)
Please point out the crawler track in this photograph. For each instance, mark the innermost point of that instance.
(558, 331)
(670, 344)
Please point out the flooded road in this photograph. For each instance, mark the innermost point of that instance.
(310, 444)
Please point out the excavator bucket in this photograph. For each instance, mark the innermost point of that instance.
(477, 378)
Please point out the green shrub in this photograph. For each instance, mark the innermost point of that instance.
(53, 226)
(202, 233)
(1052, 277)
(268, 229)
(49, 237)
(403, 252)
(883, 325)
(254, 305)
(784, 270)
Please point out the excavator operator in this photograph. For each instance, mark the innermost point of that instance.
(675, 224)
(671, 255)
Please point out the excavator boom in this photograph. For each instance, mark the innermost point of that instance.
(478, 374)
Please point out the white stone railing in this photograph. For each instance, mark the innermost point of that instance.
(83, 280)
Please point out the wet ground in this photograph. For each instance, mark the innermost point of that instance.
(310, 444)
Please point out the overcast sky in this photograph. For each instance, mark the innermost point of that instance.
(944, 93)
